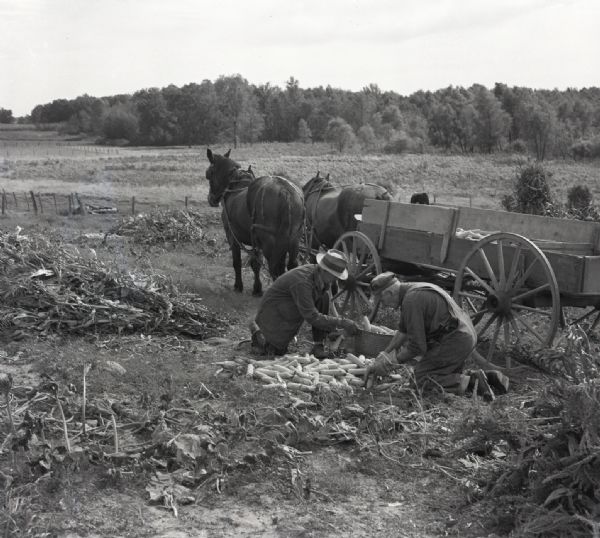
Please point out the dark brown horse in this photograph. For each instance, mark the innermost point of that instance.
(265, 214)
(330, 209)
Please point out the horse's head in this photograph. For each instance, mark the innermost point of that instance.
(317, 183)
(219, 173)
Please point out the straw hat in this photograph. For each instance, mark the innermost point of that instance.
(334, 262)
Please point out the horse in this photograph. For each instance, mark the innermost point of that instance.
(331, 210)
(264, 213)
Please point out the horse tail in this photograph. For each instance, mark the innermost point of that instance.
(291, 224)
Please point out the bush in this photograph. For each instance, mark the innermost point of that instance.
(579, 197)
(400, 143)
(586, 149)
(517, 146)
(531, 192)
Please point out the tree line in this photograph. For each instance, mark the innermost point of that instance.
(547, 123)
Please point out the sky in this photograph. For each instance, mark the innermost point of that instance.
(53, 49)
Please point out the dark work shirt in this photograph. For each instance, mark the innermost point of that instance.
(290, 301)
(423, 312)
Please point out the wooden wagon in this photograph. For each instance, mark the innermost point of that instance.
(519, 276)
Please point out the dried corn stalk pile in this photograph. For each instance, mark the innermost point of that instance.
(307, 374)
(46, 287)
(162, 227)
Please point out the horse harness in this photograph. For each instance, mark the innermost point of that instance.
(241, 175)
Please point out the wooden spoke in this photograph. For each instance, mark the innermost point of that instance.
(488, 268)
(515, 328)
(531, 330)
(345, 303)
(492, 347)
(539, 311)
(490, 320)
(501, 273)
(519, 284)
(339, 293)
(479, 280)
(468, 295)
(366, 271)
(513, 267)
(529, 293)
(363, 296)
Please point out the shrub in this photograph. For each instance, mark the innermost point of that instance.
(517, 146)
(398, 144)
(531, 192)
(586, 149)
(579, 197)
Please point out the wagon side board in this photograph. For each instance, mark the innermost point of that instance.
(425, 235)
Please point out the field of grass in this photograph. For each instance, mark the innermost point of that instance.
(165, 176)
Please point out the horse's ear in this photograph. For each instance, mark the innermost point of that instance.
(227, 154)
(318, 173)
(209, 154)
(327, 177)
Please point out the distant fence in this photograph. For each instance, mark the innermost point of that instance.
(43, 148)
(78, 204)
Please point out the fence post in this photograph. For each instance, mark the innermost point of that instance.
(33, 202)
(133, 205)
(15, 198)
(55, 206)
(470, 201)
(3, 202)
(81, 206)
(70, 205)
(26, 199)
(186, 203)
(40, 202)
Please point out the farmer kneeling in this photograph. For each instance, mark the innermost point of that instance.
(436, 333)
(302, 294)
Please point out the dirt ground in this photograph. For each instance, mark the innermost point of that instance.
(389, 464)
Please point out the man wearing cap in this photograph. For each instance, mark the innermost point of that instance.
(433, 331)
(300, 295)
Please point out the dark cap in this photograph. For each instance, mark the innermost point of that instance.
(383, 281)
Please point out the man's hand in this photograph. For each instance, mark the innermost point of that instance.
(350, 327)
(383, 365)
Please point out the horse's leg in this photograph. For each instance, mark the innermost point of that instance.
(236, 254)
(255, 263)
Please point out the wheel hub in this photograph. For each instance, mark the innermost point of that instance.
(499, 303)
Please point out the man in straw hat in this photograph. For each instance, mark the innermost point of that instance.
(300, 295)
(435, 333)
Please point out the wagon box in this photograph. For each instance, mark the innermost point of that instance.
(515, 273)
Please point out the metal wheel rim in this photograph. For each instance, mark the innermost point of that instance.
(497, 302)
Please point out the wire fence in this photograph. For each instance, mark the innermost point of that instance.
(74, 203)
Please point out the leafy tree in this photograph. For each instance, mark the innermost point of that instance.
(540, 125)
(120, 124)
(304, 134)
(6, 116)
(492, 122)
(366, 137)
(340, 134)
(155, 123)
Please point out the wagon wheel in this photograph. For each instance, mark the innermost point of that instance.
(354, 296)
(508, 287)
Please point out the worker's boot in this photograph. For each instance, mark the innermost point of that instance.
(480, 383)
(498, 381)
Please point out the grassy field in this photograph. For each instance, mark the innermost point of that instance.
(165, 176)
